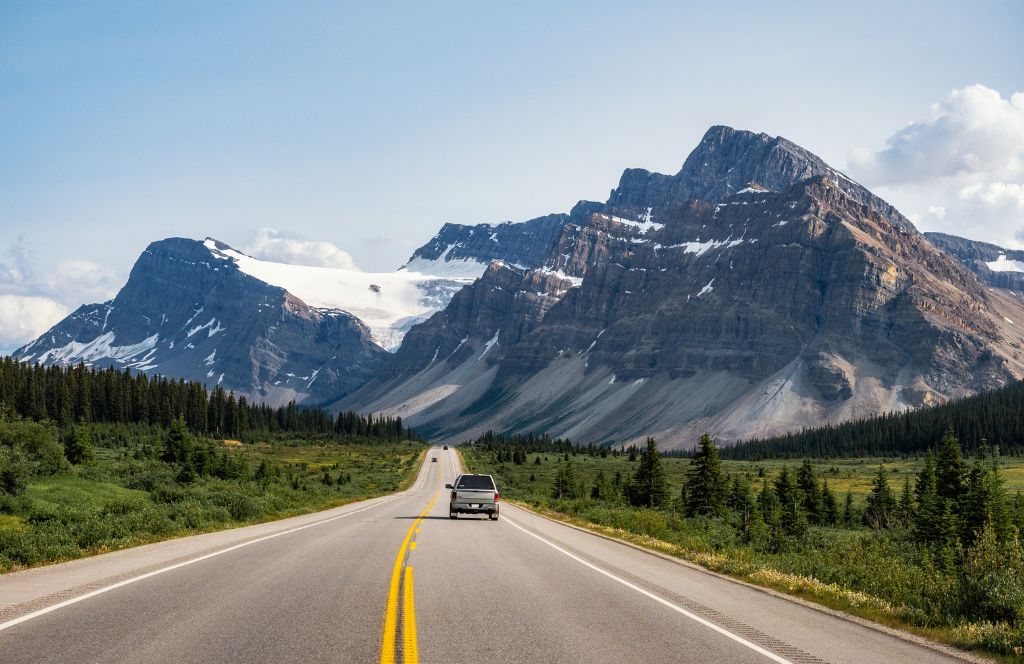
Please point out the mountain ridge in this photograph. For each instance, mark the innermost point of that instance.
(540, 354)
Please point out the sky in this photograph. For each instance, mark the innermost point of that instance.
(346, 134)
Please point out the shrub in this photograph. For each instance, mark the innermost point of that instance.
(992, 578)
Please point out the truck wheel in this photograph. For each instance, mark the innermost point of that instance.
(493, 516)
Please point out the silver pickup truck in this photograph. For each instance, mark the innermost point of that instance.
(474, 494)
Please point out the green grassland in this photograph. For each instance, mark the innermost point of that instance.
(843, 475)
(125, 495)
(883, 576)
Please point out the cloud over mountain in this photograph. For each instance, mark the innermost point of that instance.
(960, 170)
(281, 247)
(32, 301)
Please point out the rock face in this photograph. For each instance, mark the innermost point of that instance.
(756, 291)
(184, 313)
(1002, 268)
(527, 243)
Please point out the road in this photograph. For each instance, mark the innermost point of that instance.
(394, 579)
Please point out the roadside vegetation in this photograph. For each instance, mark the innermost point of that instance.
(928, 542)
(125, 464)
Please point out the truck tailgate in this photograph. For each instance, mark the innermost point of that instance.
(473, 496)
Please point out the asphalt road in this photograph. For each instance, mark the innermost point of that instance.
(394, 579)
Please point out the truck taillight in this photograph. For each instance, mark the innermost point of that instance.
(455, 496)
(497, 496)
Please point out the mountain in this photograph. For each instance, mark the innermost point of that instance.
(756, 291)
(998, 267)
(202, 310)
(188, 311)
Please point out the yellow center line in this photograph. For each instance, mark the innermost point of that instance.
(387, 652)
(409, 648)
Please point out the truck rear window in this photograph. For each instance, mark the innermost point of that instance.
(479, 482)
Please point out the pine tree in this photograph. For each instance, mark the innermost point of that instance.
(770, 511)
(808, 486)
(985, 504)
(848, 509)
(704, 490)
(601, 490)
(792, 517)
(829, 507)
(951, 470)
(649, 487)
(742, 502)
(929, 506)
(905, 506)
(78, 446)
(564, 486)
(177, 442)
(881, 503)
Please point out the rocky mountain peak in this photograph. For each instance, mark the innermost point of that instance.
(757, 290)
(727, 161)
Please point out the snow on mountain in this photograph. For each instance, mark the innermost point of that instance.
(388, 303)
(131, 355)
(1004, 264)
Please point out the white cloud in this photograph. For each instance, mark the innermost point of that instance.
(78, 281)
(31, 303)
(973, 132)
(959, 171)
(16, 263)
(273, 245)
(25, 317)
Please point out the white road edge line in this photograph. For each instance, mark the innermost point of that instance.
(675, 607)
(119, 584)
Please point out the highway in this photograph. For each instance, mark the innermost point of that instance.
(394, 579)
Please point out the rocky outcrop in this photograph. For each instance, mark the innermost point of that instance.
(527, 243)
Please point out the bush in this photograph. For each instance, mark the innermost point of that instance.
(28, 449)
(992, 578)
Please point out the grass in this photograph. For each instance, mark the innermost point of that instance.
(54, 492)
(874, 575)
(125, 497)
(843, 475)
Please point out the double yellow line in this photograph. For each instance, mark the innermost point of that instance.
(410, 649)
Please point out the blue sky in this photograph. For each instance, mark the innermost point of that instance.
(362, 127)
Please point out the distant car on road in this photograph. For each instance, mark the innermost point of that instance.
(433, 459)
(445, 447)
(474, 494)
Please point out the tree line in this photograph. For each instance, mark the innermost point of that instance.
(996, 416)
(947, 507)
(77, 394)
